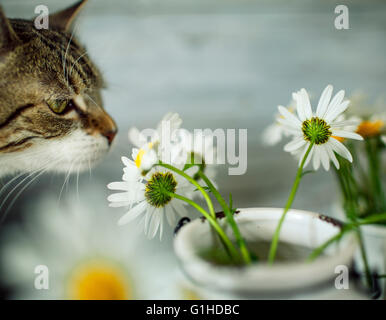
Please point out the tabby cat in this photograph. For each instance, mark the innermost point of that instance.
(51, 113)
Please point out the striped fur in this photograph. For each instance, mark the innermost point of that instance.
(41, 65)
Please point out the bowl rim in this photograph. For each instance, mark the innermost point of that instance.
(266, 277)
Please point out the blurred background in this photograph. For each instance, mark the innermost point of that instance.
(219, 64)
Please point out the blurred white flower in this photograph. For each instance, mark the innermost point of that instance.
(145, 157)
(87, 255)
(199, 148)
(371, 116)
(373, 126)
(321, 128)
(154, 144)
(275, 132)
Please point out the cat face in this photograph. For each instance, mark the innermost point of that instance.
(51, 113)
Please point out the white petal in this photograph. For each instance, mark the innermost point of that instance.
(161, 227)
(347, 134)
(310, 155)
(289, 125)
(324, 101)
(116, 197)
(170, 215)
(126, 161)
(299, 106)
(120, 185)
(334, 113)
(336, 100)
(289, 116)
(295, 144)
(324, 157)
(331, 155)
(174, 120)
(316, 159)
(133, 213)
(148, 215)
(134, 153)
(154, 223)
(306, 103)
(340, 149)
(120, 204)
(136, 138)
(345, 123)
(383, 138)
(148, 159)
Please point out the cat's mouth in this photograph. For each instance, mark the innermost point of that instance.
(82, 162)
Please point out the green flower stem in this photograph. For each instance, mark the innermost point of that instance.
(319, 250)
(228, 243)
(229, 215)
(370, 220)
(373, 219)
(351, 206)
(364, 258)
(275, 239)
(372, 151)
(195, 183)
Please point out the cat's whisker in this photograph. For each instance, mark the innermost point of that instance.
(39, 173)
(4, 187)
(77, 183)
(63, 63)
(92, 100)
(76, 62)
(89, 167)
(66, 180)
(20, 183)
(65, 54)
(15, 188)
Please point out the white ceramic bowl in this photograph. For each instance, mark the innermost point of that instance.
(302, 228)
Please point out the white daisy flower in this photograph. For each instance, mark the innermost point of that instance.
(320, 128)
(145, 198)
(145, 157)
(87, 255)
(199, 148)
(160, 141)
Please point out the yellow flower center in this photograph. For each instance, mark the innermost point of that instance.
(368, 129)
(189, 294)
(316, 130)
(97, 280)
(141, 153)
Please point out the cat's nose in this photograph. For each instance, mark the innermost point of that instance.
(110, 135)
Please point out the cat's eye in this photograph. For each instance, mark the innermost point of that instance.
(58, 105)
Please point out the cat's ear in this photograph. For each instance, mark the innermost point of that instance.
(8, 36)
(63, 19)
